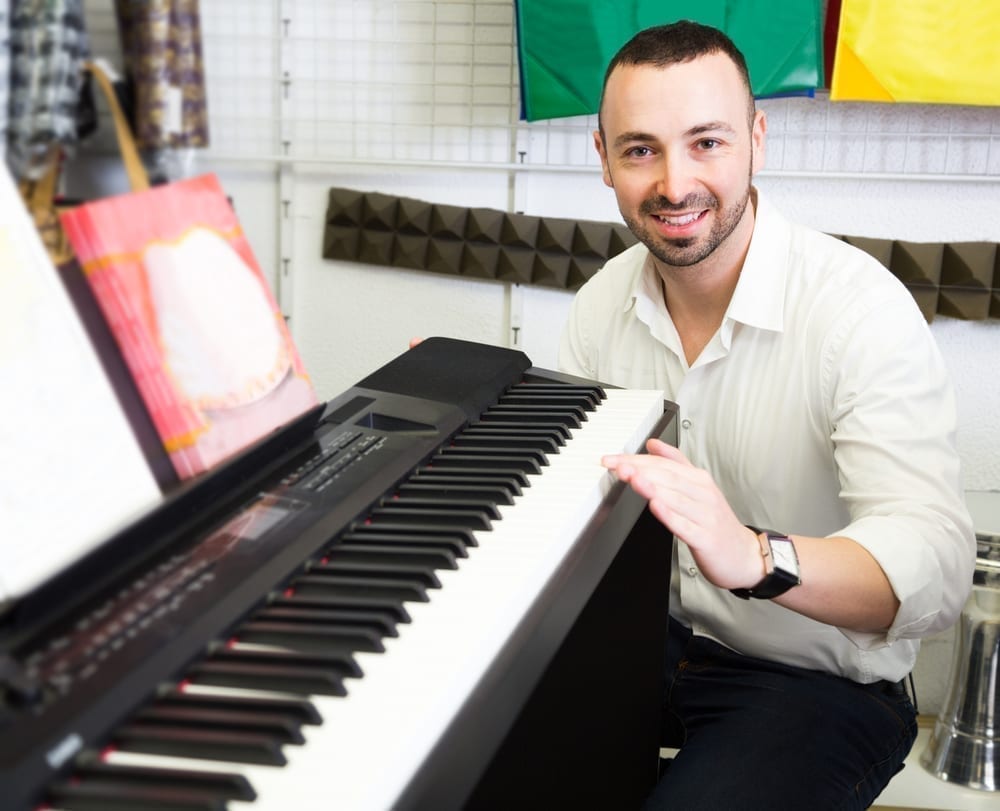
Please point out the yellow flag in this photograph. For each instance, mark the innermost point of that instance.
(929, 51)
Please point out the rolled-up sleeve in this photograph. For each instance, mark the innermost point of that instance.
(894, 422)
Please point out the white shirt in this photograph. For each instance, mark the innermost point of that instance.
(821, 407)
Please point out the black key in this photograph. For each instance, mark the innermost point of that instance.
(407, 538)
(296, 709)
(291, 599)
(281, 729)
(441, 517)
(426, 501)
(457, 493)
(373, 553)
(387, 570)
(573, 415)
(239, 747)
(546, 444)
(346, 586)
(512, 482)
(567, 419)
(562, 388)
(502, 451)
(479, 462)
(557, 428)
(105, 794)
(556, 433)
(587, 401)
(382, 620)
(310, 637)
(99, 778)
(285, 671)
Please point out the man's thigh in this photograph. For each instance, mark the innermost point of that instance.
(758, 735)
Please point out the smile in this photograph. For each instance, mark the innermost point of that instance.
(682, 219)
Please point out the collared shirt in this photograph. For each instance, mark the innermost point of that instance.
(821, 407)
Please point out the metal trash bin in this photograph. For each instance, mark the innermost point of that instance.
(964, 747)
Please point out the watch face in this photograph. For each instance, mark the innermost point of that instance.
(784, 556)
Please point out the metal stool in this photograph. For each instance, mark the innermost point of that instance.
(965, 745)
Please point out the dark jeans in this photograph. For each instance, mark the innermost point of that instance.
(755, 734)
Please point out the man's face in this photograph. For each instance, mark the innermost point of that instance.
(680, 153)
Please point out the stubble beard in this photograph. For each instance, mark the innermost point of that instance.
(691, 251)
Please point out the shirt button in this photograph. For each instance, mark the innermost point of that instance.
(685, 423)
(692, 570)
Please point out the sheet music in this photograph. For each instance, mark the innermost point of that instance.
(72, 471)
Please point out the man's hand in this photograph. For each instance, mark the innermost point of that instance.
(688, 502)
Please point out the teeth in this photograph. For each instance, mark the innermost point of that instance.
(682, 220)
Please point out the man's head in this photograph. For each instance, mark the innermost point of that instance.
(682, 41)
(680, 141)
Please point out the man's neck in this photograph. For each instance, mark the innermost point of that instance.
(698, 296)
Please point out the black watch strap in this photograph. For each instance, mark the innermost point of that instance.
(777, 581)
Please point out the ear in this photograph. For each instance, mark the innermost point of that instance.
(599, 146)
(757, 141)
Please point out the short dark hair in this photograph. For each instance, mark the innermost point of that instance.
(681, 41)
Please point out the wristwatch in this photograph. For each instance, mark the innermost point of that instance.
(781, 566)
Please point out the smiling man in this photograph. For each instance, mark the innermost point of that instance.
(813, 401)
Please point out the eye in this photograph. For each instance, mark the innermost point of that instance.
(708, 144)
(638, 152)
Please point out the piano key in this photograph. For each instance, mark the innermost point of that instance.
(556, 434)
(281, 728)
(384, 569)
(384, 621)
(107, 794)
(427, 502)
(567, 413)
(566, 419)
(512, 481)
(455, 542)
(483, 439)
(96, 768)
(479, 462)
(298, 709)
(389, 554)
(485, 450)
(346, 586)
(386, 514)
(241, 746)
(585, 400)
(285, 671)
(312, 637)
(554, 428)
(389, 606)
(587, 388)
(458, 493)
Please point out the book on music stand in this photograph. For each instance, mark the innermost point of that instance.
(194, 317)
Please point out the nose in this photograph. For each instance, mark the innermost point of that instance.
(676, 179)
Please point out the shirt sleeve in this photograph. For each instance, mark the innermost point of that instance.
(894, 419)
(575, 355)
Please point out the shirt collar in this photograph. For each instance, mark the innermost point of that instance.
(759, 297)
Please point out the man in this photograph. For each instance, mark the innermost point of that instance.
(814, 405)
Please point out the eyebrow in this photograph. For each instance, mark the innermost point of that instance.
(698, 129)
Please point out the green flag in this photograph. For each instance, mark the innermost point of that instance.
(565, 45)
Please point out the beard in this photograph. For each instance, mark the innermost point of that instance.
(688, 251)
